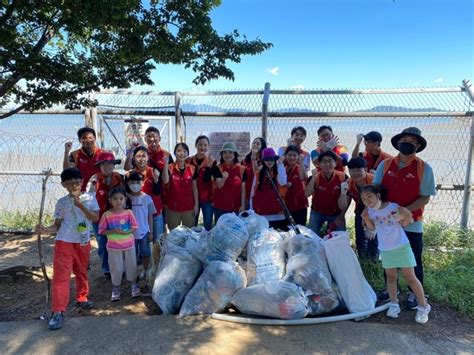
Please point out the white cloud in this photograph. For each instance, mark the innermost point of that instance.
(297, 87)
(274, 71)
(439, 80)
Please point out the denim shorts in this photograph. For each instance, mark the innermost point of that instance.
(142, 246)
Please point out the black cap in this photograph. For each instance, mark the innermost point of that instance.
(357, 163)
(373, 136)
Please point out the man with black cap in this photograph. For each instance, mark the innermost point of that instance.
(367, 246)
(409, 182)
(373, 153)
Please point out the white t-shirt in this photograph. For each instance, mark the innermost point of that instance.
(390, 233)
(71, 216)
(142, 207)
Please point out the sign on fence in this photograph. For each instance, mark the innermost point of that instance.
(217, 139)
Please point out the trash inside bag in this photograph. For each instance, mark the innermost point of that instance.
(275, 299)
(265, 257)
(214, 289)
(176, 275)
(307, 266)
(254, 222)
(181, 236)
(358, 295)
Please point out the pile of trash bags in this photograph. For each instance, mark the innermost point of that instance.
(242, 263)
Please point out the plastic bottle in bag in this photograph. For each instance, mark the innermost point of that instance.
(227, 239)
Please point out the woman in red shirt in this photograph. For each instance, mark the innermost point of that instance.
(250, 162)
(295, 198)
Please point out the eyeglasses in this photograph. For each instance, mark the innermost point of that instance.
(73, 183)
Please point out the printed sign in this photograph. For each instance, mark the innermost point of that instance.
(241, 140)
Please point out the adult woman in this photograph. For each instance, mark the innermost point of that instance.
(250, 162)
(295, 198)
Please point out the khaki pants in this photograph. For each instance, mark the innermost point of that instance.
(175, 218)
(120, 261)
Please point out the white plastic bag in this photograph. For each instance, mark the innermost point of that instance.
(254, 222)
(176, 275)
(227, 239)
(214, 289)
(345, 268)
(265, 257)
(275, 299)
(307, 266)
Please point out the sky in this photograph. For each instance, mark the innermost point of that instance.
(342, 44)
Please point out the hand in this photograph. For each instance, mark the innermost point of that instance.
(333, 142)
(369, 235)
(280, 159)
(314, 172)
(225, 175)
(166, 160)
(68, 146)
(360, 137)
(289, 184)
(322, 145)
(156, 175)
(254, 154)
(196, 209)
(365, 214)
(398, 216)
(301, 159)
(77, 202)
(344, 187)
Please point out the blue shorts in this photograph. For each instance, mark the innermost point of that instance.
(142, 246)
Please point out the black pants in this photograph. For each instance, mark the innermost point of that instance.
(365, 248)
(281, 224)
(416, 243)
(300, 216)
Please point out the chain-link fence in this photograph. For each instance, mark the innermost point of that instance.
(30, 143)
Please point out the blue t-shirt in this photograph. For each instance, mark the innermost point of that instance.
(427, 188)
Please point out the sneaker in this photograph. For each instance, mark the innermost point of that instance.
(422, 314)
(411, 302)
(136, 291)
(384, 296)
(115, 294)
(393, 310)
(56, 321)
(85, 305)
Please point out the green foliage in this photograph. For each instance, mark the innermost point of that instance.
(54, 51)
(25, 222)
(441, 236)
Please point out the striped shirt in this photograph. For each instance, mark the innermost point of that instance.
(124, 221)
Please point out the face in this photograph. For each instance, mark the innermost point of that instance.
(181, 154)
(291, 157)
(298, 137)
(326, 135)
(257, 144)
(370, 199)
(87, 141)
(410, 139)
(357, 173)
(117, 200)
(141, 159)
(107, 168)
(135, 185)
(73, 187)
(228, 156)
(202, 146)
(269, 163)
(152, 140)
(327, 165)
(369, 145)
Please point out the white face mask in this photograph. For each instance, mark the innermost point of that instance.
(135, 187)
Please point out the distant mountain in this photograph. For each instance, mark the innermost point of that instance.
(399, 109)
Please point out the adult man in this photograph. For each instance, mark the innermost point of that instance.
(325, 189)
(409, 181)
(328, 142)
(85, 159)
(350, 190)
(298, 136)
(373, 153)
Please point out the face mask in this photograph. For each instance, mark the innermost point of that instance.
(135, 187)
(406, 148)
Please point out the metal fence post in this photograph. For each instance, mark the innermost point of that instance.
(177, 117)
(467, 181)
(266, 97)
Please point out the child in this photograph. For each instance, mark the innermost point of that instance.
(119, 225)
(181, 189)
(72, 217)
(151, 186)
(251, 163)
(203, 164)
(295, 199)
(229, 183)
(264, 197)
(143, 208)
(388, 219)
(100, 184)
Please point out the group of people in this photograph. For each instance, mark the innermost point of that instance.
(127, 212)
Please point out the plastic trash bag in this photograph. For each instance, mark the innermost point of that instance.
(227, 239)
(176, 275)
(275, 299)
(214, 289)
(307, 266)
(346, 270)
(181, 236)
(265, 257)
(254, 222)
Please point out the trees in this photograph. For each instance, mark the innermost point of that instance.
(53, 51)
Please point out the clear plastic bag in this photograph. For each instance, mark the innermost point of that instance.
(307, 266)
(265, 257)
(214, 289)
(254, 222)
(275, 299)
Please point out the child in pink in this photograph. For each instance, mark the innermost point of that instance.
(119, 225)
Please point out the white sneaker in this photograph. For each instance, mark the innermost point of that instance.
(422, 314)
(393, 310)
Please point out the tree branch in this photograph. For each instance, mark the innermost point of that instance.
(8, 13)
